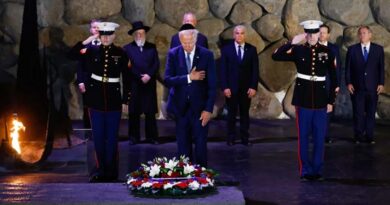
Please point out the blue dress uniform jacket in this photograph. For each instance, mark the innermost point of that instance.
(365, 76)
(104, 61)
(143, 97)
(200, 41)
(315, 60)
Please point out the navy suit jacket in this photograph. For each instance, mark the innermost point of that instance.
(237, 75)
(200, 41)
(365, 76)
(336, 52)
(197, 95)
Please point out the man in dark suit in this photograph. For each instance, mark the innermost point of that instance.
(143, 95)
(191, 76)
(365, 79)
(323, 40)
(92, 42)
(239, 79)
(189, 18)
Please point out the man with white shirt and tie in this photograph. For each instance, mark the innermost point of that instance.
(323, 40)
(364, 77)
(191, 76)
(239, 79)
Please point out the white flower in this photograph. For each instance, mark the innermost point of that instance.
(154, 170)
(131, 180)
(194, 185)
(171, 164)
(188, 169)
(146, 185)
(211, 182)
(168, 186)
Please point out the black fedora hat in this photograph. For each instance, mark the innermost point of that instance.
(186, 26)
(138, 25)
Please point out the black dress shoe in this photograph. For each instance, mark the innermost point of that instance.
(370, 141)
(152, 141)
(246, 143)
(133, 141)
(307, 177)
(318, 177)
(328, 141)
(96, 178)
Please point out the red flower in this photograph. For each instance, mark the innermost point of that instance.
(182, 185)
(164, 175)
(202, 180)
(157, 185)
(175, 174)
(198, 172)
(136, 183)
(181, 164)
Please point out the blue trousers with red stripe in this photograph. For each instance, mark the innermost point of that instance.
(105, 129)
(311, 122)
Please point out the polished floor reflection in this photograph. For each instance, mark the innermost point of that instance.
(266, 172)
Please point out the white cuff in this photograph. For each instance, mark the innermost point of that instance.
(188, 79)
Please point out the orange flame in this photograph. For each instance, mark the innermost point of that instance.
(16, 126)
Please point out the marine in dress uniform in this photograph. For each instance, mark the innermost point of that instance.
(239, 79)
(104, 99)
(191, 75)
(144, 62)
(365, 78)
(311, 98)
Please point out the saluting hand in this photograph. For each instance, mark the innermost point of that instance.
(205, 117)
(299, 38)
(90, 39)
(197, 75)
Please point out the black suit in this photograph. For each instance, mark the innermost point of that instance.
(365, 76)
(238, 76)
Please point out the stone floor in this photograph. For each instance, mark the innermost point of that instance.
(266, 173)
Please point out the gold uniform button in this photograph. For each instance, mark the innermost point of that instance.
(313, 63)
(105, 75)
(313, 73)
(106, 65)
(106, 60)
(314, 59)
(106, 55)
(312, 68)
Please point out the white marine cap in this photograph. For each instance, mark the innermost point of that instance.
(107, 28)
(311, 26)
